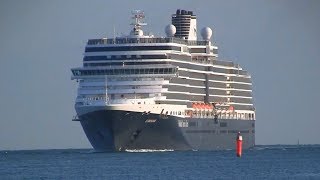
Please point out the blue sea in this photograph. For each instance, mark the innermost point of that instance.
(261, 162)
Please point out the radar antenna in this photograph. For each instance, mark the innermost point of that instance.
(138, 22)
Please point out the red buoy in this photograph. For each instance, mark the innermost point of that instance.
(239, 145)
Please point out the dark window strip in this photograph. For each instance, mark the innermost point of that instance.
(131, 48)
(173, 102)
(124, 71)
(200, 131)
(197, 50)
(123, 57)
(122, 63)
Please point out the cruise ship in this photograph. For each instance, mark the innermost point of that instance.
(142, 92)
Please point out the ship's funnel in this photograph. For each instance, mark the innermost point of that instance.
(186, 24)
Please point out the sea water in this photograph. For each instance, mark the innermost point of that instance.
(261, 162)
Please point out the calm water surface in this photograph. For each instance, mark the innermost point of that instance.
(262, 162)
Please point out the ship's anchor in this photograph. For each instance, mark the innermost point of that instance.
(162, 115)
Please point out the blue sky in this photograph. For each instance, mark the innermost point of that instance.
(276, 41)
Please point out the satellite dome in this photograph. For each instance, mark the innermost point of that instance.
(206, 33)
(170, 30)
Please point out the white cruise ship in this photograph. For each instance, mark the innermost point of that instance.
(145, 92)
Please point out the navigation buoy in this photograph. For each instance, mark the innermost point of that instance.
(239, 145)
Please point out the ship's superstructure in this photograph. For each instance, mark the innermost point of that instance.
(146, 92)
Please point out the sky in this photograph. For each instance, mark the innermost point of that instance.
(40, 40)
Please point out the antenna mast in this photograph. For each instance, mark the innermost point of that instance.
(138, 22)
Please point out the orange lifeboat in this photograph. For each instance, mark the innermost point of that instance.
(231, 108)
(195, 106)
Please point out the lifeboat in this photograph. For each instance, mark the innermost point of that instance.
(231, 108)
(195, 106)
(208, 106)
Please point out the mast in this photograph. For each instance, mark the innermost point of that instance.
(138, 17)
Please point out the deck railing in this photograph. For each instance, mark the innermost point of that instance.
(146, 40)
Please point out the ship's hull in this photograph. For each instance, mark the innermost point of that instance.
(113, 130)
